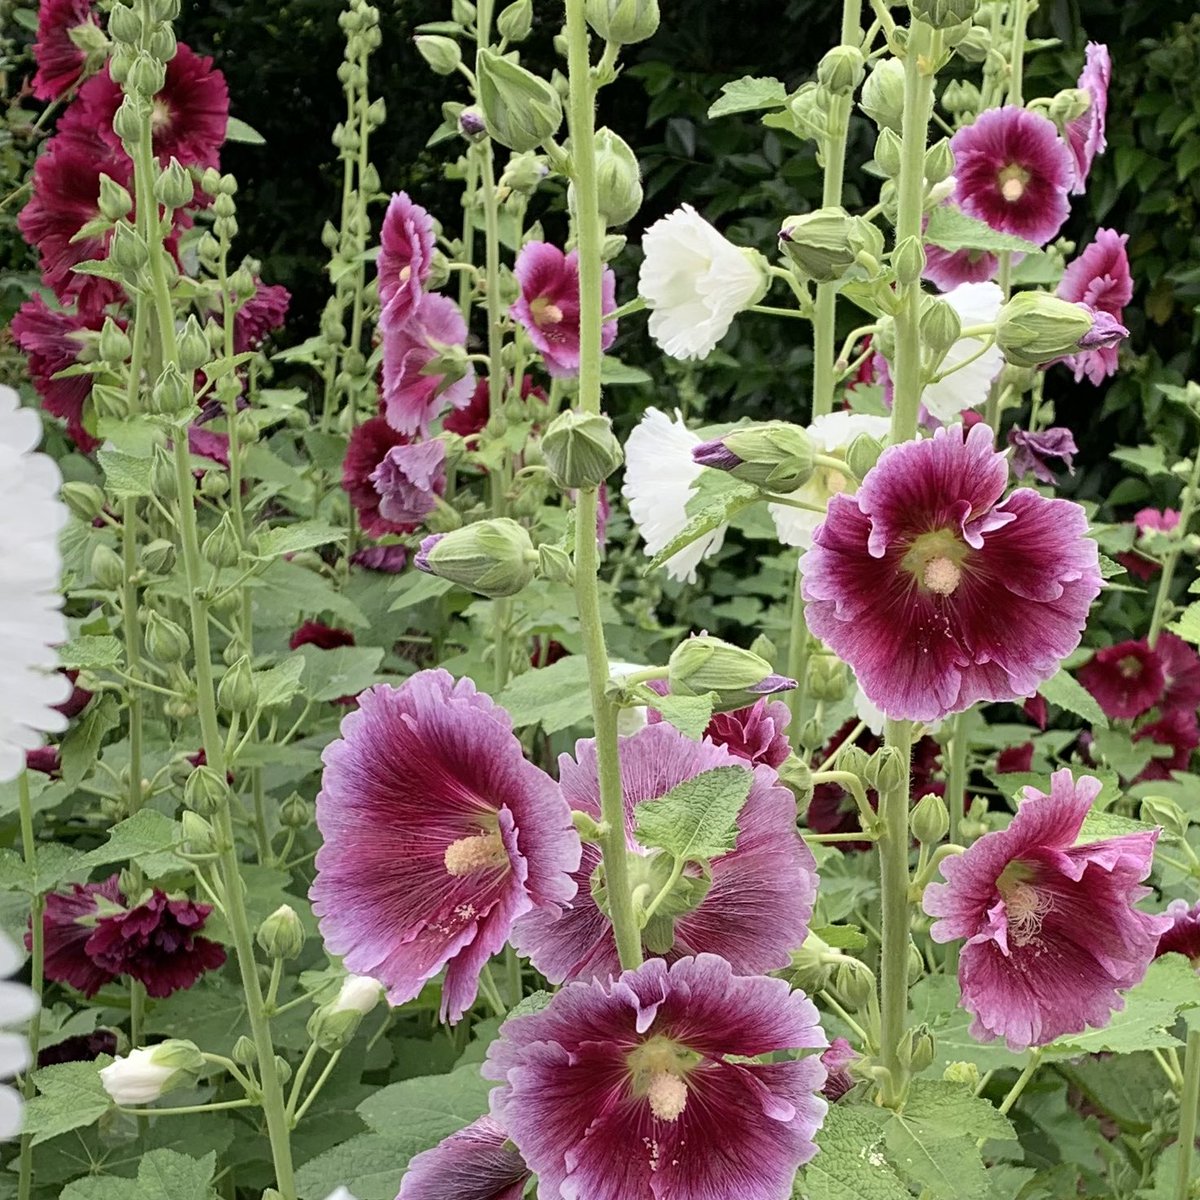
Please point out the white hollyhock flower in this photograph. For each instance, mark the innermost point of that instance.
(17, 1005)
(975, 304)
(146, 1073)
(695, 282)
(831, 435)
(30, 621)
(359, 994)
(659, 473)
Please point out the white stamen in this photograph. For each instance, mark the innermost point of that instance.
(1012, 190)
(941, 575)
(476, 853)
(1026, 908)
(668, 1095)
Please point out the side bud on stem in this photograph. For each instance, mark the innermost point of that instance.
(1034, 328)
(738, 677)
(623, 21)
(494, 558)
(520, 109)
(772, 455)
(581, 449)
(143, 1076)
(281, 935)
(827, 244)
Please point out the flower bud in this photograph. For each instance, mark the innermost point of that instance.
(222, 548)
(825, 244)
(115, 347)
(198, 835)
(943, 14)
(161, 43)
(887, 152)
(973, 47)
(580, 449)
(237, 691)
(841, 70)
(127, 123)
(147, 75)
(772, 455)
(164, 10)
(194, 351)
(441, 53)
(214, 485)
(1069, 105)
(166, 641)
(174, 187)
(1160, 810)
(524, 172)
(295, 812)
(796, 775)
(739, 677)
(916, 964)
(462, 11)
(887, 770)
(115, 202)
(515, 21)
(555, 563)
(124, 25)
(1035, 328)
(853, 759)
(961, 97)
(128, 248)
(618, 179)
(963, 1072)
(144, 1075)
(85, 500)
(107, 569)
(588, 828)
(494, 558)
(828, 678)
(471, 125)
(172, 393)
(908, 261)
(863, 454)
(882, 97)
(855, 983)
(940, 325)
(930, 819)
(281, 935)
(939, 161)
(521, 110)
(623, 21)
(812, 965)
(206, 791)
(917, 1048)
(359, 993)
(245, 1053)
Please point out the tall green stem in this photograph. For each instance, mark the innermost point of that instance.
(1187, 507)
(956, 788)
(37, 959)
(581, 116)
(1189, 1117)
(797, 661)
(1016, 78)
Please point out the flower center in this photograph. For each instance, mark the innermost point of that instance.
(160, 115)
(1025, 906)
(941, 575)
(667, 1094)
(1130, 666)
(659, 1069)
(936, 560)
(545, 312)
(479, 852)
(1012, 182)
(406, 273)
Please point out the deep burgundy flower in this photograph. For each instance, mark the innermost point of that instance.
(67, 925)
(52, 341)
(83, 1047)
(261, 315)
(836, 1061)
(1012, 172)
(1176, 728)
(651, 1085)
(45, 759)
(476, 1163)
(409, 479)
(1052, 934)
(1183, 936)
(939, 593)
(469, 421)
(369, 446)
(324, 637)
(1085, 135)
(758, 733)
(1036, 710)
(1031, 450)
(1015, 758)
(1126, 679)
(79, 699)
(60, 62)
(405, 258)
(548, 306)
(539, 657)
(158, 943)
(210, 444)
(1101, 279)
(1181, 672)
(389, 559)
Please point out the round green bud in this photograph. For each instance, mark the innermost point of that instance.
(887, 152)
(115, 201)
(1035, 328)
(441, 53)
(516, 20)
(773, 455)
(796, 775)
(206, 791)
(128, 248)
(918, 1048)
(916, 964)
(174, 187)
(1069, 105)
(166, 641)
(828, 678)
(940, 325)
(887, 770)
(462, 11)
(618, 179)
(939, 161)
(908, 261)
(961, 98)
(809, 108)
(555, 563)
(84, 500)
(281, 935)
(943, 14)
(812, 965)
(853, 759)
(107, 569)
(930, 819)
(172, 393)
(222, 548)
(147, 75)
(855, 983)
(524, 172)
(161, 43)
(520, 109)
(194, 350)
(588, 828)
(158, 556)
(237, 691)
(295, 812)
(841, 70)
(580, 449)
(623, 21)
(825, 245)
(245, 1054)
(199, 837)
(863, 454)
(739, 677)
(214, 484)
(115, 347)
(494, 558)
(124, 25)
(127, 123)
(882, 97)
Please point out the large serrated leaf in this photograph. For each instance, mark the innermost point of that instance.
(851, 1163)
(951, 229)
(1067, 692)
(1187, 625)
(696, 819)
(556, 697)
(749, 94)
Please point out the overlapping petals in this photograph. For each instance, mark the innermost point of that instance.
(476, 1163)
(1099, 278)
(414, 395)
(1086, 134)
(405, 258)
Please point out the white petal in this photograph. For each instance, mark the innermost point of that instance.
(975, 304)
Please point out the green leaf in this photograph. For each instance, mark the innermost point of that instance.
(1100, 824)
(168, 1175)
(144, 835)
(950, 1168)
(1187, 625)
(369, 1165)
(288, 539)
(689, 714)
(280, 683)
(342, 671)
(715, 511)
(842, 937)
(952, 229)
(614, 372)
(429, 1108)
(1150, 459)
(749, 94)
(851, 1164)
(1110, 569)
(937, 1109)
(238, 131)
(71, 1096)
(126, 475)
(81, 746)
(1067, 692)
(418, 588)
(556, 696)
(696, 819)
(91, 653)
(287, 589)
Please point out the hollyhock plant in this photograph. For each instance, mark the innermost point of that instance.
(406, 245)
(1182, 936)
(1086, 134)
(754, 911)
(369, 445)
(409, 480)
(1126, 679)
(261, 315)
(1052, 934)
(64, 29)
(649, 1085)
(437, 835)
(1012, 172)
(695, 282)
(1031, 450)
(68, 922)
(1148, 521)
(548, 307)
(1179, 731)
(1181, 672)
(414, 397)
(937, 592)
(836, 1061)
(476, 1163)
(757, 734)
(1099, 278)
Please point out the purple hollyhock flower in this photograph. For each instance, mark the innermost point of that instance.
(754, 912)
(1012, 172)
(409, 480)
(1052, 935)
(757, 734)
(476, 1163)
(837, 1060)
(948, 268)
(646, 1086)
(82, 1047)
(421, 561)
(1181, 672)
(1032, 449)
(412, 398)
(548, 306)
(405, 259)
(68, 922)
(1176, 728)
(1085, 135)
(262, 314)
(369, 445)
(1106, 332)
(438, 834)
(1126, 679)
(389, 559)
(1183, 934)
(940, 594)
(1099, 278)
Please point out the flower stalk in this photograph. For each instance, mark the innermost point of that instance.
(37, 958)
(1189, 1117)
(1187, 507)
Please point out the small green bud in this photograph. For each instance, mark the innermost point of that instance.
(973, 46)
(555, 564)
(961, 98)
(917, 1048)
(773, 455)
(1034, 328)
(122, 60)
(1160, 810)
(85, 500)
(812, 965)
(198, 835)
(863, 454)
(295, 812)
(214, 484)
(1069, 105)
(107, 569)
(882, 97)
(908, 261)
(127, 123)
(887, 770)
(612, 246)
(825, 244)
(809, 109)
(172, 393)
(515, 21)
(887, 152)
(587, 827)
(853, 760)
(206, 791)
(165, 640)
(128, 248)
(939, 161)
(237, 691)
(855, 983)
(124, 25)
(618, 179)
(222, 548)
(930, 819)
(812, 734)
(245, 1054)
(109, 401)
(462, 11)
(174, 187)
(943, 14)
(963, 1072)
(841, 70)
(940, 325)
(623, 21)
(707, 664)
(580, 449)
(115, 347)
(158, 556)
(147, 75)
(115, 201)
(194, 351)
(521, 110)
(494, 558)
(164, 10)
(162, 475)
(524, 172)
(916, 964)
(161, 43)
(796, 775)
(441, 53)
(281, 935)
(376, 115)
(828, 679)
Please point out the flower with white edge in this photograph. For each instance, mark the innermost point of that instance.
(359, 993)
(629, 720)
(17, 1005)
(695, 282)
(832, 435)
(659, 474)
(31, 622)
(968, 387)
(873, 717)
(146, 1074)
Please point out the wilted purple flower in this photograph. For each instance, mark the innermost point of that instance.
(1100, 279)
(1085, 135)
(1032, 449)
(476, 1163)
(409, 480)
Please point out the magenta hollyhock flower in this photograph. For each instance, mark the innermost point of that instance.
(388, 559)
(437, 835)
(158, 943)
(409, 479)
(369, 446)
(648, 1085)
(754, 913)
(471, 420)
(1126, 679)
(60, 62)
(757, 734)
(548, 307)
(948, 268)
(1031, 450)
(1176, 728)
(413, 399)
(836, 1061)
(1099, 278)
(1085, 135)
(52, 341)
(476, 1163)
(936, 591)
(1181, 672)
(1183, 935)
(405, 258)
(324, 637)
(190, 113)
(1052, 934)
(210, 444)
(261, 315)
(1148, 521)
(1012, 172)
(68, 922)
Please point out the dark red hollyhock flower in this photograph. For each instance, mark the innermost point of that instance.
(324, 637)
(388, 559)
(84, 1047)
(262, 314)
(200, 759)
(1184, 935)
(60, 61)
(1015, 758)
(471, 420)
(1177, 728)
(190, 115)
(45, 759)
(369, 444)
(78, 700)
(1037, 711)
(757, 733)
(68, 923)
(158, 943)
(1181, 673)
(51, 341)
(553, 652)
(1126, 679)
